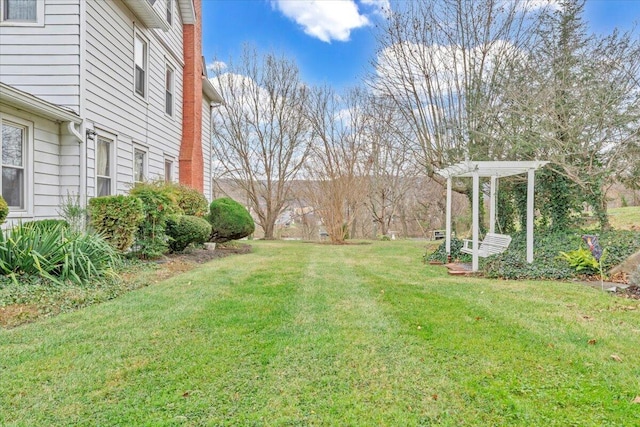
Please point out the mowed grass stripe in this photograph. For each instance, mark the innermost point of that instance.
(304, 334)
(517, 351)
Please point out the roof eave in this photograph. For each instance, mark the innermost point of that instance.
(210, 92)
(27, 102)
(148, 14)
(187, 11)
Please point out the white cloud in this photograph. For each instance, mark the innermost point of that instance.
(325, 19)
(381, 7)
(216, 66)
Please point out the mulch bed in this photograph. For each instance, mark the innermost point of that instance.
(632, 292)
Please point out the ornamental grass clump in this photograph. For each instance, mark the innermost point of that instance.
(54, 253)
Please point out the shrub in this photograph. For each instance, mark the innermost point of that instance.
(116, 218)
(440, 254)
(186, 229)
(189, 200)
(229, 220)
(4, 210)
(158, 201)
(54, 253)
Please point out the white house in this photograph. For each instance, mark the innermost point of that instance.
(98, 94)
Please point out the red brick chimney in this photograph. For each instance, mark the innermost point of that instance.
(191, 161)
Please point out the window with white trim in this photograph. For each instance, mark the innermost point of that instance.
(169, 12)
(21, 12)
(168, 90)
(168, 170)
(140, 53)
(14, 150)
(104, 167)
(139, 165)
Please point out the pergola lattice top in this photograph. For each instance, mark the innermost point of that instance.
(488, 169)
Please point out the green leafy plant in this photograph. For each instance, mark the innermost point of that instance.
(582, 261)
(190, 200)
(73, 212)
(52, 252)
(229, 220)
(4, 210)
(116, 218)
(185, 230)
(158, 202)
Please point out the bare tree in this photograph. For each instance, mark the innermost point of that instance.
(439, 63)
(392, 166)
(338, 165)
(261, 134)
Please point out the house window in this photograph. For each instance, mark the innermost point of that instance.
(168, 87)
(14, 138)
(168, 170)
(19, 10)
(103, 167)
(140, 59)
(139, 165)
(169, 11)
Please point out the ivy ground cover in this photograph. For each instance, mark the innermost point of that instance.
(305, 334)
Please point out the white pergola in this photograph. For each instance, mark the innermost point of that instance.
(493, 170)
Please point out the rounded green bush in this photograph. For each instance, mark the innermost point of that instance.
(116, 218)
(190, 200)
(4, 210)
(186, 229)
(229, 220)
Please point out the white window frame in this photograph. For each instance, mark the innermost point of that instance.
(172, 162)
(138, 35)
(145, 162)
(112, 163)
(170, 12)
(169, 67)
(39, 22)
(27, 162)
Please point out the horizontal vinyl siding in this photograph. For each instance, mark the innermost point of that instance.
(112, 105)
(45, 60)
(43, 168)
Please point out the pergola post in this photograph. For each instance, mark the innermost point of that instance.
(492, 204)
(448, 219)
(530, 213)
(474, 214)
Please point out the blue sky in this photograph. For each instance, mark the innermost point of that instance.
(333, 41)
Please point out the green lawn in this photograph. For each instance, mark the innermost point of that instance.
(624, 218)
(305, 334)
